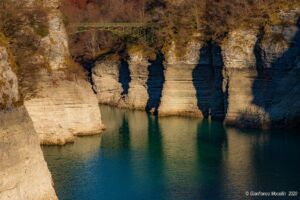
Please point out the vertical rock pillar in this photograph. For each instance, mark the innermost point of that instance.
(137, 93)
(240, 74)
(179, 93)
(106, 82)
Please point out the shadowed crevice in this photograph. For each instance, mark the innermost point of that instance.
(155, 83)
(124, 76)
(207, 80)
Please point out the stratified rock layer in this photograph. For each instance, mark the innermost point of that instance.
(240, 74)
(23, 171)
(62, 109)
(179, 93)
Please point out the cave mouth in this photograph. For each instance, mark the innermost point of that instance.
(208, 80)
(155, 83)
(124, 76)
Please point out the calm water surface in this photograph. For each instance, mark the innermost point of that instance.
(140, 157)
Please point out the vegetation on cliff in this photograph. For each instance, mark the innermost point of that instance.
(170, 20)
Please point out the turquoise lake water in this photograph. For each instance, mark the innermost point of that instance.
(140, 157)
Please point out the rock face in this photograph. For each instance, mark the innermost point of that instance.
(262, 77)
(137, 93)
(239, 76)
(106, 75)
(63, 108)
(9, 92)
(179, 93)
(278, 60)
(63, 103)
(23, 171)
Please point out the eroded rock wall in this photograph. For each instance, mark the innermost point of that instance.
(63, 108)
(261, 77)
(63, 103)
(240, 73)
(106, 75)
(278, 56)
(179, 93)
(137, 92)
(23, 171)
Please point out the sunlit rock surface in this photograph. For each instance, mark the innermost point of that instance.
(106, 82)
(56, 43)
(179, 93)
(239, 76)
(261, 77)
(23, 171)
(63, 108)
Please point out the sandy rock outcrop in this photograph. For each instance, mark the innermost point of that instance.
(9, 91)
(106, 82)
(62, 109)
(240, 74)
(179, 93)
(23, 171)
(137, 92)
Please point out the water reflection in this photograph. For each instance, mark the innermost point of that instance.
(143, 157)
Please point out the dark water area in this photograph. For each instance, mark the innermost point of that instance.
(145, 158)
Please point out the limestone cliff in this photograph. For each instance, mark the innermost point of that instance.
(261, 77)
(63, 103)
(278, 63)
(239, 76)
(63, 108)
(23, 171)
(179, 93)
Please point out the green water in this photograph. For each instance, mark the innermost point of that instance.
(145, 158)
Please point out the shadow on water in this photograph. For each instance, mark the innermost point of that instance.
(211, 148)
(280, 81)
(124, 76)
(207, 80)
(156, 155)
(155, 83)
